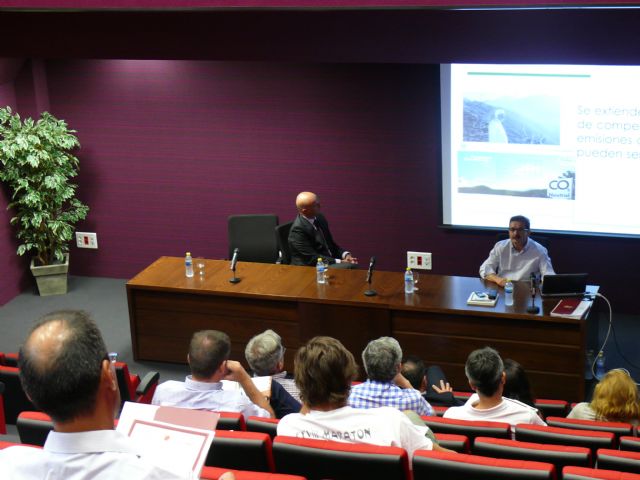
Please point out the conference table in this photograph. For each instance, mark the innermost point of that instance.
(435, 322)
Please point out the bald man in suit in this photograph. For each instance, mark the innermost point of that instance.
(310, 237)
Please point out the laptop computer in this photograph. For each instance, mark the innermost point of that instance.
(564, 285)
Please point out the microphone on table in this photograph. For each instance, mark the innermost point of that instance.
(234, 262)
(533, 281)
(370, 292)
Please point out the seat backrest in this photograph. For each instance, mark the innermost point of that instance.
(320, 459)
(253, 236)
(558, 455)
(3, 423)
(213, 473)
(241, 450)
(470, 428)
(460, 466)
(548, 407)
(582, 473)
(231, 421)
(619, 460)
(282, 237)
(630, 443)
(617, 428)
(457, 443)
(15, 400)
(127, 382)
(34, 427)
(565, 436)
(263, 425)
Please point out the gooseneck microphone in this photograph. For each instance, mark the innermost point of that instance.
(234, 262)
(533, 281)
(370, 292)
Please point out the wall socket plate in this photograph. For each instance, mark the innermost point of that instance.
(86, 240)
(419, 260)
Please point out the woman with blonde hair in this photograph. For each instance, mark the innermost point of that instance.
(615, 399)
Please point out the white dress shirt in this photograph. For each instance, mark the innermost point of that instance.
(94, 455)
(205, 396)
(506, 261)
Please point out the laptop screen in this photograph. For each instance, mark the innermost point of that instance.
(564, 284)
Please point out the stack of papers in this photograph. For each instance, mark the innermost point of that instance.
(482, 299)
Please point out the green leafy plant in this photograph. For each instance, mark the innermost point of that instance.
(37, 167)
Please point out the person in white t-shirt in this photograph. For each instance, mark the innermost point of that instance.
(324, 370)
(486, 375)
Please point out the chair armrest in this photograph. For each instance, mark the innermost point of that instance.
(149, 380)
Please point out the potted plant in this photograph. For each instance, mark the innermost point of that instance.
(37, 166)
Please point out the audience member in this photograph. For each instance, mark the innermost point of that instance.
(485, 372)
(265, 356)
(209, 364)
(516, 384)
(385, 386)
(439, 393)
(66, 372)
(324, 370)
(615, 399)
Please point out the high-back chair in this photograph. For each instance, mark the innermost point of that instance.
(282, 238)
(134, 389)
(322, 459)
(253, 236)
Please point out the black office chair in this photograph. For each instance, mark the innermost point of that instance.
(282, 237)
(253, 236)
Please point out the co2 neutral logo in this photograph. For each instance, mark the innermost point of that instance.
(560, 187)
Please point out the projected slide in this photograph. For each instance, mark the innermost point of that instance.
(558, 143)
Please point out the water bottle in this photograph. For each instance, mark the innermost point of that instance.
(508, 293)
(600, 371)
(320, 269)
(188, 265)
(408, 281)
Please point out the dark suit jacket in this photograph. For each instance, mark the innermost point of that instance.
(307, 245)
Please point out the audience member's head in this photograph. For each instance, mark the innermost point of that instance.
(517, 385)
(381, 359)
(413, 369)
(324, 370)
(615, 397)
(265, 353)
(485, 372)
(208, 351)
(65, 369)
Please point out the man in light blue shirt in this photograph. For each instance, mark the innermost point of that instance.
(517, 257)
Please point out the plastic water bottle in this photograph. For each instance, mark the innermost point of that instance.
(188, 265)
(320, 269)
(600, 371)
(508, 293)
(408, 281)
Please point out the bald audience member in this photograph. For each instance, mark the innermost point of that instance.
(310, 237)
(66, 372)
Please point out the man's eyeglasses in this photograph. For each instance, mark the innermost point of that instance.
(518, 230)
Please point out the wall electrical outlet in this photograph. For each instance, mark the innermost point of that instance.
(419, 260)
(86, 240)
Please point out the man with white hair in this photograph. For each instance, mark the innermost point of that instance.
(385, 385)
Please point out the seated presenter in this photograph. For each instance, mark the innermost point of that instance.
(310, 237)
(517, 257)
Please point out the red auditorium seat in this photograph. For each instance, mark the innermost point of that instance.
(242, 450)
(547, 407)
(619, 460)
(15, 401)
(321, 459)
(471, 429)
(617, 428)
(263, 425)
(213, 473)
(462, 396)
(33, 427)
(231, 421)
(439, 411)
(630, 443)
(558, 455)
(582, 473)
(565, 436)
(458, 466)
(132, 389)
(9, 359)
(3, 423)
(458, 443)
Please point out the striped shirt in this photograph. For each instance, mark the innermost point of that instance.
(371, 394)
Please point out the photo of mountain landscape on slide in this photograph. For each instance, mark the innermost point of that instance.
(519, 175)
(532, 120)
